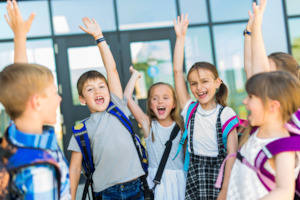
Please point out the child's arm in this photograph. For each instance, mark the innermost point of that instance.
(75, 171)
(136, 111)
(260, 62)
(113, 79)
(232, 147)
(285, 180)
(248, 48)
(180, 29)
(20, 29)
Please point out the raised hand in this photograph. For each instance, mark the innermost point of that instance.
(92, 27)
(181, 25)
(258, 12)
(250, 21)
(134, 72)
(15, 20)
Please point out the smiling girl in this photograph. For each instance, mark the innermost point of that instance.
(162, 116)
(204, 124)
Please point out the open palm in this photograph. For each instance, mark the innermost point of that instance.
(181, 25)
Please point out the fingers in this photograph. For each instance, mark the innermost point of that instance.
(84, 29)
(31, 18)
(16, 7)
(7, 20)
(186, 17)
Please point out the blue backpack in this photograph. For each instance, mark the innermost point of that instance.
(230, 124)
(13, 158)
(81, 136)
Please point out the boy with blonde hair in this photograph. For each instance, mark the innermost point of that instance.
(29, 96)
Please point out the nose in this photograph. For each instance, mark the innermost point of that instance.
(245, 101)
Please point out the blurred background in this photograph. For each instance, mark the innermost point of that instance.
(141, 33)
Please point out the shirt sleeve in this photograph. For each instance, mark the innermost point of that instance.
(227, 114)
(38, 182)
(73, 145)
(184, 110)
(120, 103)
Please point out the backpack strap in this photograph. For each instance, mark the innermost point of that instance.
(81, 136)
(229, 125)
(191, 109)
(16, 157)
(165, 156)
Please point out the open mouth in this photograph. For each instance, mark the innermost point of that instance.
(202, 95)
(99, 100)
(161, 110)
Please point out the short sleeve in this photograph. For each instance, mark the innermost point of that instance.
(184, 110)
(73, 145)
(226, 114)
(120, 103)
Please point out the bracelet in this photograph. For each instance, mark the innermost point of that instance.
(246, 32)
(100, 40)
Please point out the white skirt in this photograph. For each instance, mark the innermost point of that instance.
(172, 184)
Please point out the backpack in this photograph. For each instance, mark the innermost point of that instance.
(230, 124)
(13, 158)
(291, 143)
(81, 136)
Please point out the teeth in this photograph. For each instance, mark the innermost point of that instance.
(98, 98)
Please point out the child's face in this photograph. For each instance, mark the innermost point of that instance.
(95, 94)
(49, 104)
(162, 102)
(257, 110)
(203, 86)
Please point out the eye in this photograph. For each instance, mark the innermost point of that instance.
(102, 86)
(89, 89)
(154, 98)
(193, 83)
(166, 98)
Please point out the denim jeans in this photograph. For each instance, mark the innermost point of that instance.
(123, 191)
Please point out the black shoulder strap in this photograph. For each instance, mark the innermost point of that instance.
(165, 156)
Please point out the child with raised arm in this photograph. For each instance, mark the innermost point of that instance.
(205, 121)
(30, 98)
(270, 104)
(116, 161)
(161, 118)
(255, 57)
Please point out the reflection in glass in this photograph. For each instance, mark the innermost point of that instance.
(229, 53)
(66, 21)
(82, 59)
(293, 7)
(40, 25)
(153, 60)
(196, 9)
(234, 10)
(294, 25)
(133, 14)
(40, 52)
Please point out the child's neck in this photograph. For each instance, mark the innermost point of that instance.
(29, 125)
(272, 129)
(166, 122)
(209, 105)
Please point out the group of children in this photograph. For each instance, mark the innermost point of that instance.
(207, 135)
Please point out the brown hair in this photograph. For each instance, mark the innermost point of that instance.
(18, 82)
(175, 112)
(285, 62)
(222, 93)
(277, 85)
(89, 75)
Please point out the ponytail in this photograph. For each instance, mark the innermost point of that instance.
(222, 94)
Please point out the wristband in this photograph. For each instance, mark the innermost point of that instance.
(246, 32)
(100, 40)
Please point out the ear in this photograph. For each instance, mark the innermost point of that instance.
(274, 106)
(34, 102)
(82, 100)
(218, 82)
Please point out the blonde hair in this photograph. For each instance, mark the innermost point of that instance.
(222, 93)
(18, 82)
(278, 85)
(175, 112)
